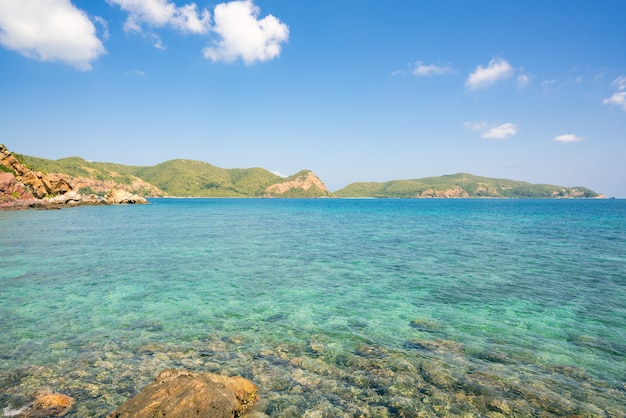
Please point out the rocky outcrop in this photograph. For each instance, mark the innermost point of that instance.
(39, 184)
(448, 193)
(304, 181)
(23, 188)
(135, 186)
(117, 197)
(181, 393)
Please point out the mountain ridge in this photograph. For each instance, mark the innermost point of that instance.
(462, 185)
(181, 178)
(192, 178)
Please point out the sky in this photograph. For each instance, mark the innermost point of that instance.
(355, 90)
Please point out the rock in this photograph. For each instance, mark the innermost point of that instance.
(70, 198)
(181, 393)
(117, 196)
(46, 405)
(304, 181)
(7, 181)
(40, 184)
(427, 325)
(23, 188)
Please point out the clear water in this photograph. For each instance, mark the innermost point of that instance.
(333, 307)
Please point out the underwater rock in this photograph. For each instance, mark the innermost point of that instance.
(426, 325)
(46, 405)
(181, 393)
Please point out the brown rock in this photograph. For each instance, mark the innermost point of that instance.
(180, 393)
(40, 184)
(47, 405)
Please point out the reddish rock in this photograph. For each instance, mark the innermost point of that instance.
(7, 180)
(180, 393)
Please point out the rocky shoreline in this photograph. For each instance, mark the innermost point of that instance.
(23, 188)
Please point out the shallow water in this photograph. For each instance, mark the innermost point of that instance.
(334, 307)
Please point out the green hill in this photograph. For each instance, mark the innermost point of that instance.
(461, 185)
(181, 178)
(199, 179)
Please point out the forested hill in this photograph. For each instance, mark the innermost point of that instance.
(190, 178)
(462, 185)
(181, 178)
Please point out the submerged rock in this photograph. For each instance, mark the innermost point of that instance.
(181, 393)
(46, 405)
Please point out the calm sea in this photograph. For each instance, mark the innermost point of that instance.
(333, 307)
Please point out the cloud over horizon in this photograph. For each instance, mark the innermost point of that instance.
(497, 69)
(50, 31)
(243, 35)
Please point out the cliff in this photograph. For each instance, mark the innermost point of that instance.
(302, 184)
(22, 187)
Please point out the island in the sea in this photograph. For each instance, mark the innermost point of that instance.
(27, 181)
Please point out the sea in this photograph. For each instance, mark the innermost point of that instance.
(332, 307)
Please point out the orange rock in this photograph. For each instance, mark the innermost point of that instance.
(182, 393)
(50, 405)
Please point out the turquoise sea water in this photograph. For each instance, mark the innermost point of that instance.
(333, 307)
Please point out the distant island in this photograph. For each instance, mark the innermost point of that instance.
(190, 178)
(463, 185)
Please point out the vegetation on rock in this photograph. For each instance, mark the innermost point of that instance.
(190, 178)
(462, 185)
(182, 178)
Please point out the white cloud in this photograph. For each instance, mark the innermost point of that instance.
(565, 138)
(523, 80)
(162, 13)
(422, 69)
(476, 126)
(139, 73)
(619, 97)
(496, 70)
(49, 30)
(105, 26)
(243, 35)
(500, 132)
(620, 83)
(492, 131)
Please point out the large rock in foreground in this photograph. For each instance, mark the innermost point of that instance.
(181, 393)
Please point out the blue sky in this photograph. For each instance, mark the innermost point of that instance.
(353, 90)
